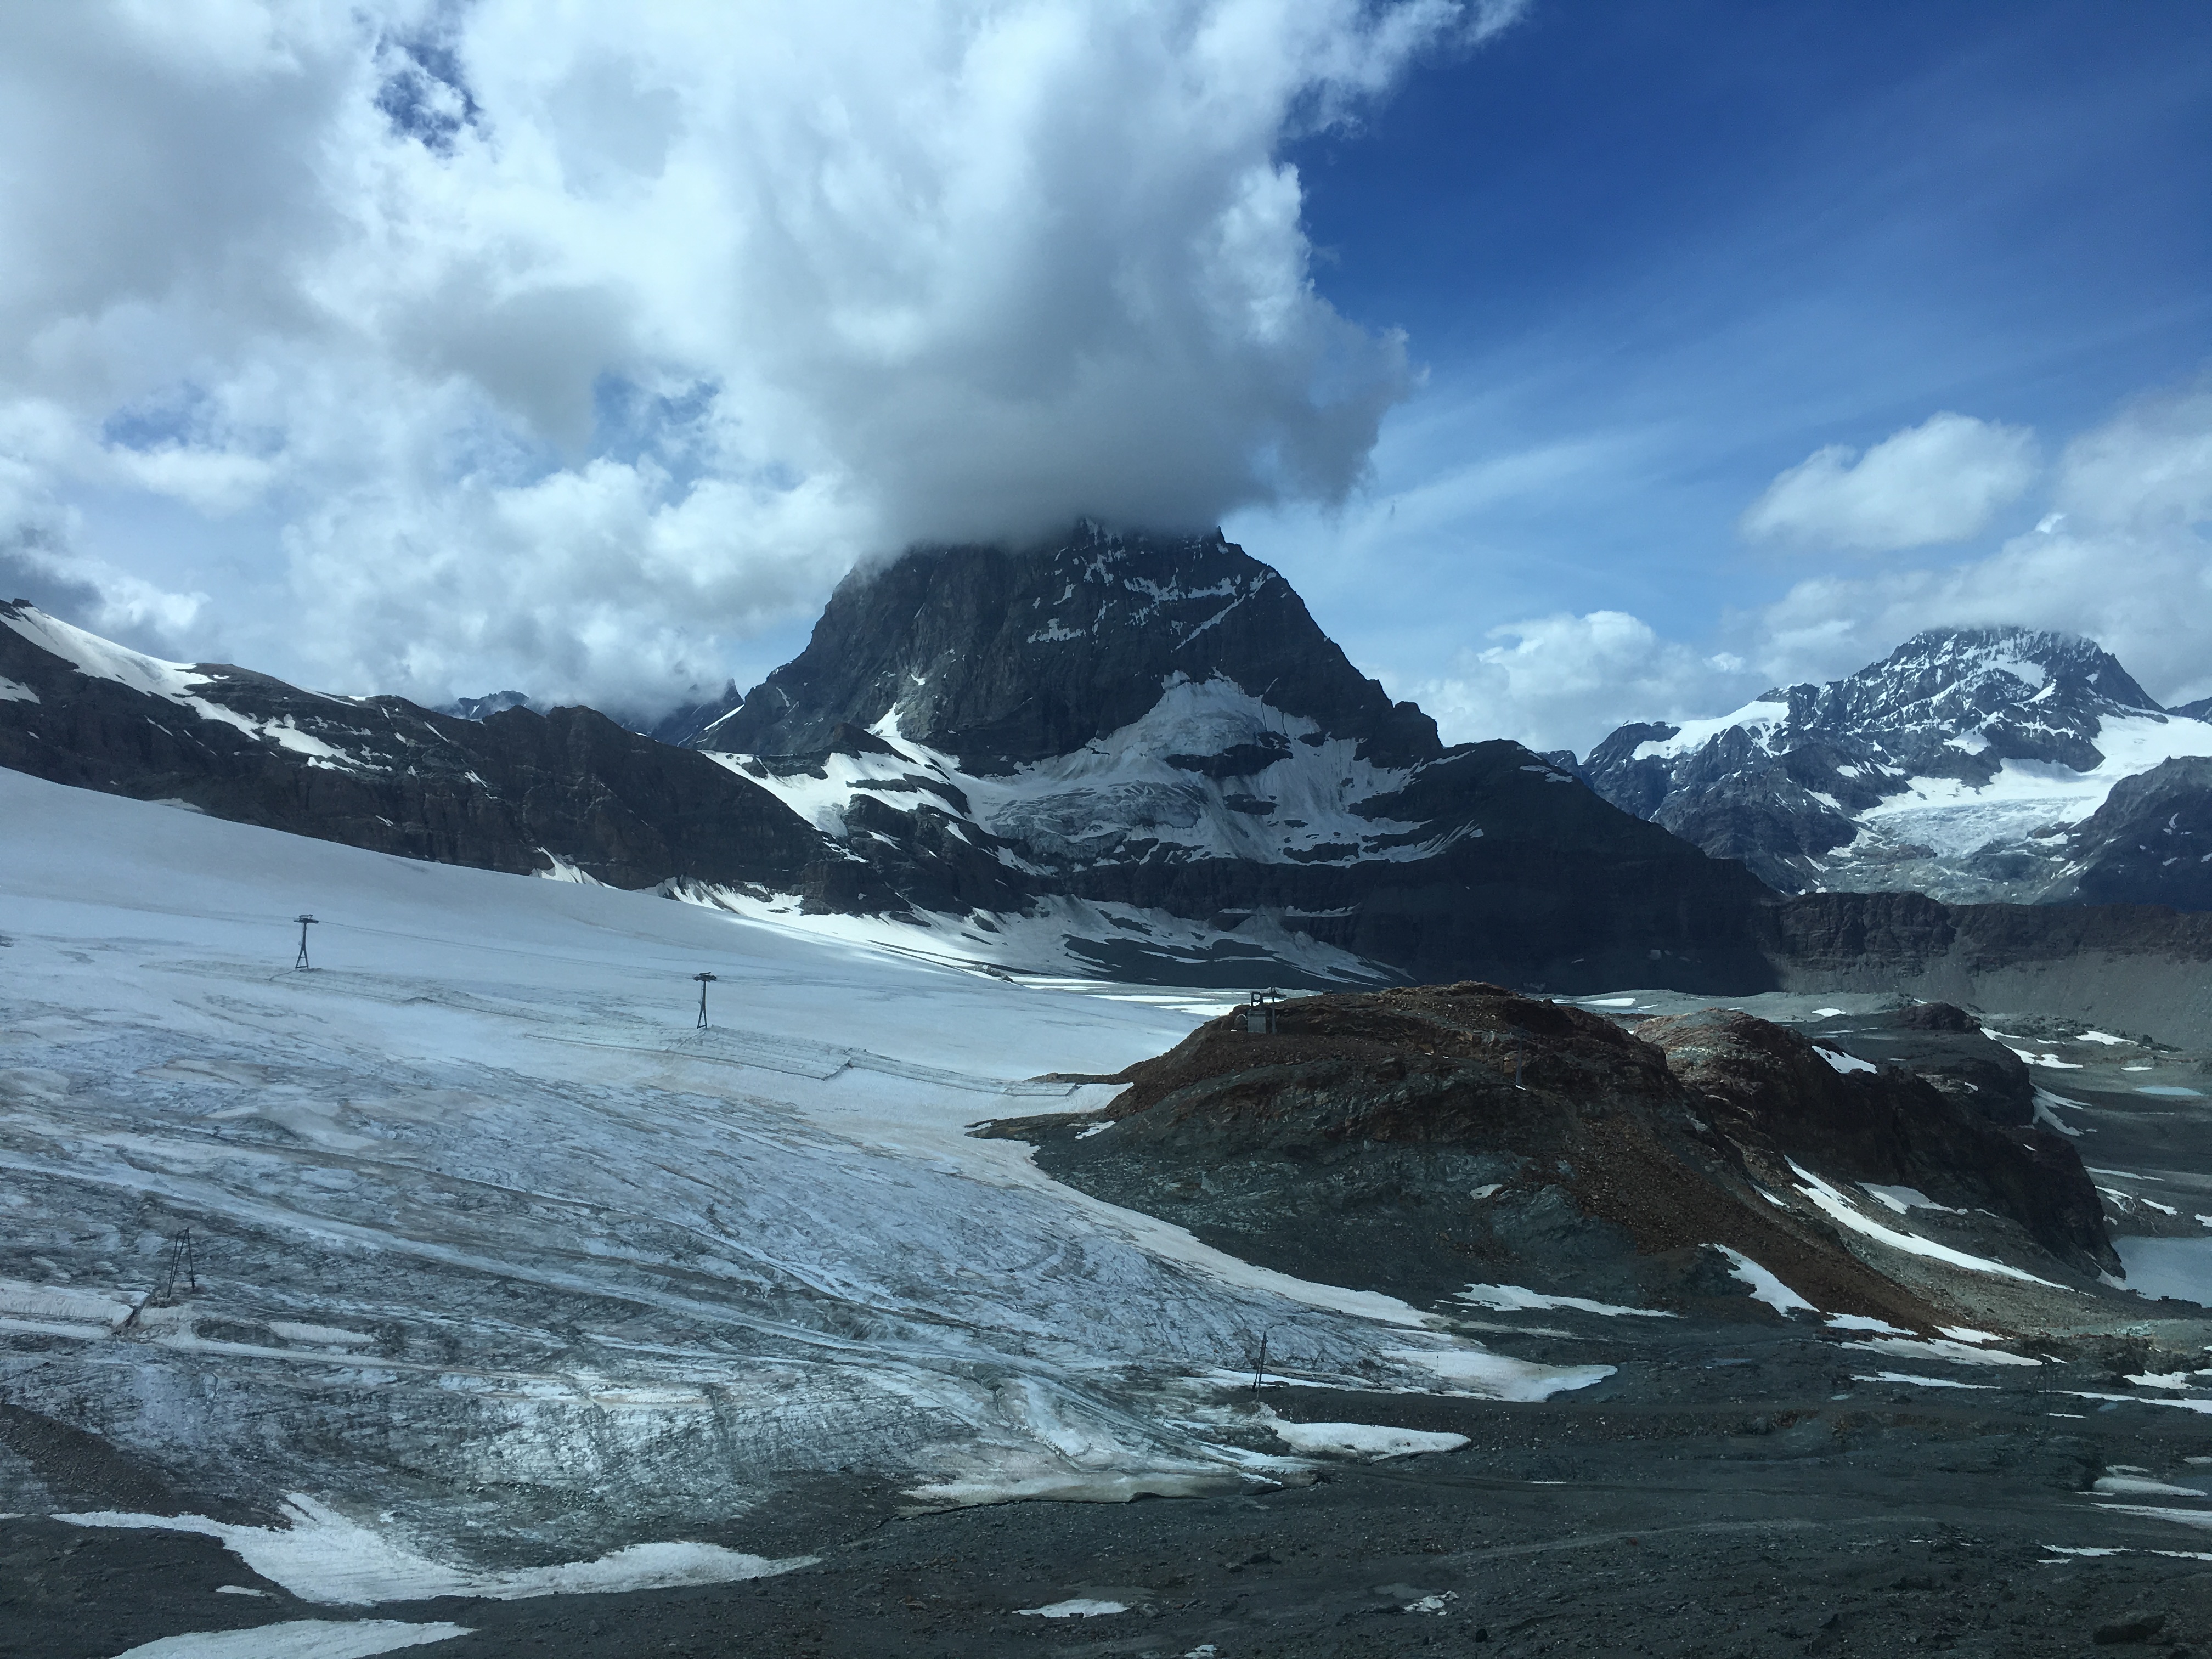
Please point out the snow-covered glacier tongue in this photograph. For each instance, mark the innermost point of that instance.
(465, 1261)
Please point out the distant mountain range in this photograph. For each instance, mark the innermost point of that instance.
(1130, 755)
(1975, 765)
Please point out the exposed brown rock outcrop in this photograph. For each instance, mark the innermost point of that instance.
(1417, 1140)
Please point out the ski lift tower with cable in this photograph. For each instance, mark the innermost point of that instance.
(306, 922)
(705, 980)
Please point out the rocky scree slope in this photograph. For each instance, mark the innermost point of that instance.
(1975, 765)
(1424, 1140)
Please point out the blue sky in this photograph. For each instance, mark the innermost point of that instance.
(1665, 252)
(1579, 363)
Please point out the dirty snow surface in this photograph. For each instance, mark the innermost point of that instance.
(500, 1270)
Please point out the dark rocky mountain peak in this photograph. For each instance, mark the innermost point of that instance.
(1001, 656)
(494, 703)
(2014, 684)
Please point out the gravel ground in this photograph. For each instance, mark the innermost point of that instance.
(1726, 1517)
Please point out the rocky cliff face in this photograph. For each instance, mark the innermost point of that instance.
(1883, 1126)
(1968, 764)
(2151, 842)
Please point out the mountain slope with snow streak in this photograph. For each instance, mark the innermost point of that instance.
(515, 791)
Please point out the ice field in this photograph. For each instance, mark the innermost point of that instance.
(501, 1265)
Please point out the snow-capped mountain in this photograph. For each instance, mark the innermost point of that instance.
(1127, 756)
(1973, 764)
(1135, 755)
(1137, 733)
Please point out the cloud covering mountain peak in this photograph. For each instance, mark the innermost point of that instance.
(568, 347)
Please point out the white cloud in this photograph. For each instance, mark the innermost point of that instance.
(1941, 481)
(2148, 470)
(2123, 556)
(2125, 559)
(556, 346)
(1563, 682)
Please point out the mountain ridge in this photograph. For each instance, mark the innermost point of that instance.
(1968, 763)
(1217, 838)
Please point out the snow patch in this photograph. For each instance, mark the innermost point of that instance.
(1844, 1062)
(2202, 1407)
(327, 1557)
(2046, 1114)
(1903, 1198)
(1838, 1209)
(1079, 1607)
(1959, 1353)
(1486, 1376)
(1758, 721)
(1512, 1298)
(1361, 1439)
(2135, 1486)
(2199, 1518)
(298, 1638)
(1764, 1286)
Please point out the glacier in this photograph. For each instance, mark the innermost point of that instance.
(494, 1255)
